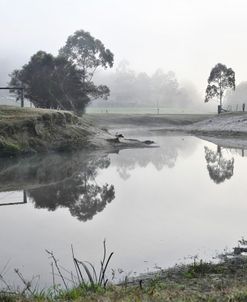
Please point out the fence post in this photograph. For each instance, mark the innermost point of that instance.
(219, 109)
(21, 89)
(22, 97)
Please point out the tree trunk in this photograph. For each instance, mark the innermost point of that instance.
(221, 94)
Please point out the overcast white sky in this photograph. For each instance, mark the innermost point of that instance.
(186, 36)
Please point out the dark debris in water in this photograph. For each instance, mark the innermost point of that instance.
(148, 142)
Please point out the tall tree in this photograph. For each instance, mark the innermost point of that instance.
(51, 82)
(220, 79)
(65, 81)
(88, 54)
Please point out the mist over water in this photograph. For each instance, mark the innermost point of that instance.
(154, 206)
(133, 74)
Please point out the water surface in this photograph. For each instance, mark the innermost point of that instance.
(155, 207)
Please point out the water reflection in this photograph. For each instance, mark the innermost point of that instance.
(171, 147)
(69, 180)
(170, 188)
(24, 201)
(219, 168)
(61, 181)
(80, 194)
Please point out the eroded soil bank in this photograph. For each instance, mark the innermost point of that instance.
(32, 130)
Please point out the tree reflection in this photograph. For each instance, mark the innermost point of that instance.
(166, 156)
(79, 193)
(219, 168)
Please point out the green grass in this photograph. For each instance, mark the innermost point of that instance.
(222, 281)
(159, 292)
(225, 281)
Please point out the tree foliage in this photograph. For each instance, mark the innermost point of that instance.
(65, 81)
(220, 79)
(80, 193)
(219, 168)
(88, 54)
(51, 82)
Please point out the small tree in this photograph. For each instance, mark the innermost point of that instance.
(221, 78)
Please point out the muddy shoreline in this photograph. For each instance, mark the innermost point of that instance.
(28, 131)
(226, 129)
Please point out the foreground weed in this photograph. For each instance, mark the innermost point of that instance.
(95, 280)
(7, 298)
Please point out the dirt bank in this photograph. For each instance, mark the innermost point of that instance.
(229, 129)
(31, 130)
(224, 124)
(27, 130)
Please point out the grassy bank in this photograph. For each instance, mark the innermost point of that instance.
(34, 130)
(26, 131)
(199, 281)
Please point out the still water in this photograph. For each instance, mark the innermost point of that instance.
(155, 206)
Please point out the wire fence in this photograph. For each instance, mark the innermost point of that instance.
(6, 98)
(9, 99)
(236, 107)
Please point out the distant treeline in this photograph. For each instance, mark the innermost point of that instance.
(129, 88)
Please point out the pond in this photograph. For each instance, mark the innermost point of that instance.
(155, 207)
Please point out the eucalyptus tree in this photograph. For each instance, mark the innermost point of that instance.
(51, 82)
(220, 79)
(65, 81)
(88, 54)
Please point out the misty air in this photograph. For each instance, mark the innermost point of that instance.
(123, 145)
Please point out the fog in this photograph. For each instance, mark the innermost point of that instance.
(139, 89)
(6, 66)
(185, 37)
(235, 99)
